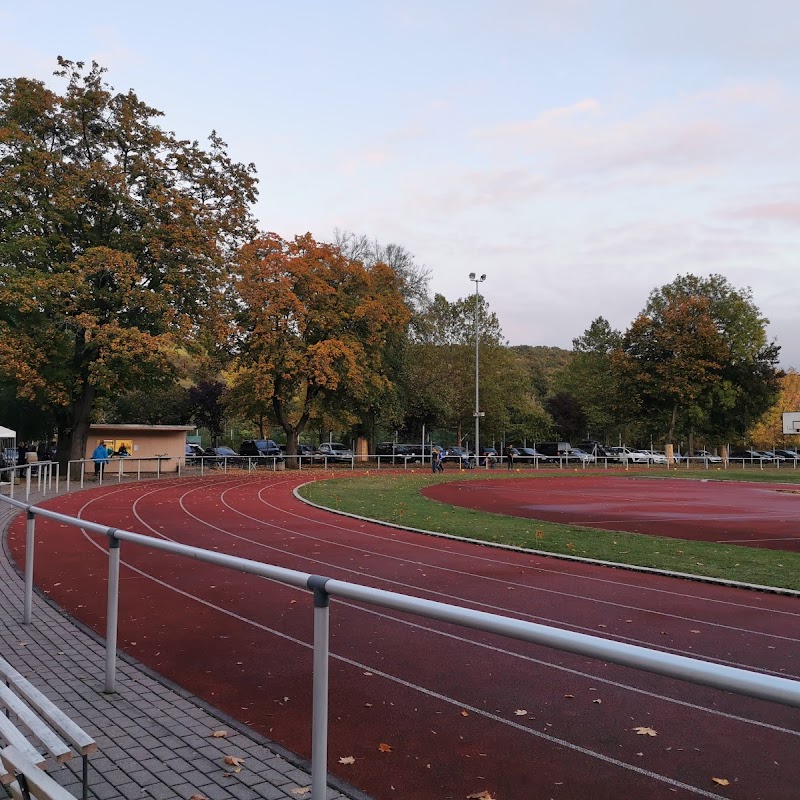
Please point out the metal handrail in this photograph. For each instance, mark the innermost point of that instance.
(732, 679)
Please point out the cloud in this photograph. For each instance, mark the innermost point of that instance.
(785, 212)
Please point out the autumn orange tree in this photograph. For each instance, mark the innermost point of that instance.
(115, 243)
(313, 331)
(768, 430)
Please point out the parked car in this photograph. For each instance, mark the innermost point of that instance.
(217, 455)
(194, 453)
(628, 456)
(789, 455)
(752, 456)
(400, 453)
(335, 451)
(304, 450)
(656, 457)
(458, 454)
(706, 456)
(532, 455)
(259, 448)
(576, 454)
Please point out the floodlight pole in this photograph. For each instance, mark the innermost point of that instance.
(477, 281)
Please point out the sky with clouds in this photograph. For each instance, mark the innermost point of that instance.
(579, 153)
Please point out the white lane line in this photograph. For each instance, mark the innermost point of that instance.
(425, 691)
(536, 568)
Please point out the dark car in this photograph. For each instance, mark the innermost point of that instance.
(260, 448)
(749, 456)
(530, 455)
(400, 453)
(218, 455)
(194, 453)
(305, 450)
(458, 454)
(788, 455)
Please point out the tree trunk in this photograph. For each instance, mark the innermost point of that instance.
(292, 432)
(73, 438)
(671, 436)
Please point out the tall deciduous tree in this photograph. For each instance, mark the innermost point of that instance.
(115, 241)
(589, 379)
(700, 349)
(314, 327)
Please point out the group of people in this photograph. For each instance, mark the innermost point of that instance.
(102, 454)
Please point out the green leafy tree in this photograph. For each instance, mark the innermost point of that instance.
(699, 351)
(116, 240)
(589, 379)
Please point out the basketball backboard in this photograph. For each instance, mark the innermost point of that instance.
(791, 422)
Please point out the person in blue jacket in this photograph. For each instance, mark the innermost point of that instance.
(100, 457)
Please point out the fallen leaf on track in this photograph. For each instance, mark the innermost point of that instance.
(385, 748)
(646, 731)
(721, 781)
(347, 760)
(520, 712)
(484, 795)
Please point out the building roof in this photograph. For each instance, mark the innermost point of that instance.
(140, 427)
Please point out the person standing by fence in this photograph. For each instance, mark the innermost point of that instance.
(510, 457)
(100, 457)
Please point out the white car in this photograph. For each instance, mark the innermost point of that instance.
(627, 456)
(706, 456)
(656, 457)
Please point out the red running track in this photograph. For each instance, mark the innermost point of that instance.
(752, 514)
(462, 711)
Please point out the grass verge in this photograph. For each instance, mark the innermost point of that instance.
(396, 498)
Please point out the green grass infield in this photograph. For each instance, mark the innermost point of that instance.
(396, 498)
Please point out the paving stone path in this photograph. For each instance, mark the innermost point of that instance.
(154, 739)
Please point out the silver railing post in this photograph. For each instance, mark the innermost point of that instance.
(112, 611)
(319, 718)
(30, 533)
(28, 470)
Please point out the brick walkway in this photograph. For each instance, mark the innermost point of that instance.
(154, 739)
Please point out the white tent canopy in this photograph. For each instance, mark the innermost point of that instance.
(8, 447)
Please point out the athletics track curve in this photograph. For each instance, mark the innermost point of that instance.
(461, 711)
(728, 512)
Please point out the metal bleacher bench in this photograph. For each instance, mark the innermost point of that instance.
(29, 781)
(30, 726)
